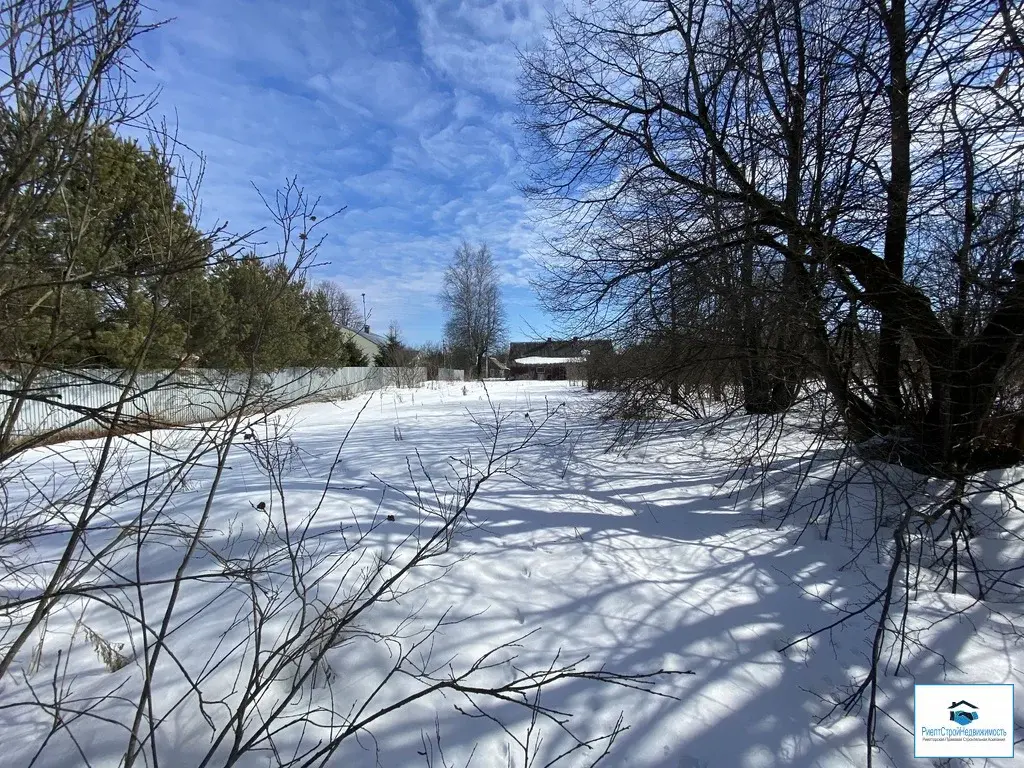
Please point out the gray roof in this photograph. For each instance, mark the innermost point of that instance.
(373, 338)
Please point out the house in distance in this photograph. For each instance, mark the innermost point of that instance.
(368, 343)
(557, 359)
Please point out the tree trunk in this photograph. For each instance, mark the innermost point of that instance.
(890, 331)
(757, 390)
(674, 351)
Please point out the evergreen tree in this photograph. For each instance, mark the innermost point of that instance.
(270, 320)
(112, 272)
(96, 267)
(393, 354)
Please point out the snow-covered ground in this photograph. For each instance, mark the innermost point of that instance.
(655, 558)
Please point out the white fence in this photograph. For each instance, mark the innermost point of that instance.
(86, 400)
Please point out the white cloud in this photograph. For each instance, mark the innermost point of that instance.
(406, 119)
(474, 41)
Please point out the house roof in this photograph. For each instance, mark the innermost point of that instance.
(538, 360)
(373, 338)
(569, 350)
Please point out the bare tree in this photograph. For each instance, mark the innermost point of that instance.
(342, 307)
(471, 299)
(842, 184)
(629, 101)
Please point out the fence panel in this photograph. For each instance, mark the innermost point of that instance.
(450, 374)
(87, 400)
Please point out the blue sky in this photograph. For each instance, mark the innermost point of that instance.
(401, 110)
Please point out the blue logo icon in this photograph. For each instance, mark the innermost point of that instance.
(963, 712)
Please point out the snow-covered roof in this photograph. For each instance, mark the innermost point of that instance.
(549, 360)
(373, 338)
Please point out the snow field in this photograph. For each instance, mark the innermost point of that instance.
(656, 558)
